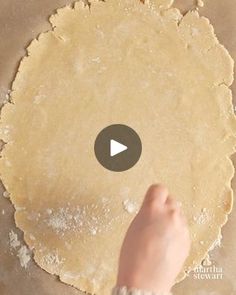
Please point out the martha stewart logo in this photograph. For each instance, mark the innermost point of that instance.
(208, 273)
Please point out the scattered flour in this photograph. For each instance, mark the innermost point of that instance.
(19, 208)
(7, 97)
(90, 218)
(49, 211)
(52, 259)
(129, 206)
(96, 59)
(24, 256)
(38, 98)
(200, 3)
(14, 242)
(69, 275)
(216, 243)
(23, 253)
(32, 237)
(3, 211)
(6, 130)
(59, 220)
(202, 218)
(6, 194)
(93, 231)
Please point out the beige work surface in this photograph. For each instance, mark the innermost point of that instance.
(20, 22)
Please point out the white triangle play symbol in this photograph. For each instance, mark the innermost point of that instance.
(116, 147)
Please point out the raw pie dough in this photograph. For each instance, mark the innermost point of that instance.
(143, 65)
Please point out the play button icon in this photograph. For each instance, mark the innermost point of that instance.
(118, 147)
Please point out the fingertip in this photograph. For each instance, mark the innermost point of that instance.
(157, 193)
(158, 189)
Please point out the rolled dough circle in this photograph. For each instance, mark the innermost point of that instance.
(119, 62)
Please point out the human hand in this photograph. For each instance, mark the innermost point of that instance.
(156, 244)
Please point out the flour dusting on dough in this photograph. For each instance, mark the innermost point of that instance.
(81, 219)
(200, 3)
(216, 243)
(129, 206)
(202, 218)
(53, 259)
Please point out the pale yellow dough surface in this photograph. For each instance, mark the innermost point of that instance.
(162, 74)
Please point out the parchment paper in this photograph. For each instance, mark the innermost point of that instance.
(20, 22)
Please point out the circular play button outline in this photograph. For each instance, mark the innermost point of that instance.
(118, 147)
